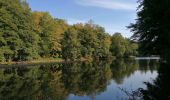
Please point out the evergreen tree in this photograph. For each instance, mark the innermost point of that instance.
(151, 28)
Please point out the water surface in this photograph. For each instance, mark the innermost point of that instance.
(100, 80)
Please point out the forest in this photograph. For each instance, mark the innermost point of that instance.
(26, 35)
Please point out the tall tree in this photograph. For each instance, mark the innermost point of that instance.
(118, 47)
(95, 42)
(16, 32)
(51, 32)
(104, 42)
(123, 47)
(43, 23)
(60, 27)
(152, 26)
(152, 30)
(71, 45)
(88, 39)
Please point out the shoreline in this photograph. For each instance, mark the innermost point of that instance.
(40, 61)
(37, 61)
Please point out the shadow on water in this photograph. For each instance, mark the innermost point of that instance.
(67, 81)
(151, 65)
(160, 88)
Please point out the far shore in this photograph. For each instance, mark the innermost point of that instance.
(38, 61)
(58, 60)
(32, 62)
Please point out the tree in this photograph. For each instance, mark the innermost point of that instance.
(44, 26)
(151, 28)
(131, 48)
(16, 31)
(71, 45)
(152, 31)
(51, 32)
(118, 47)
(60, 27)
(88, 39)
(123, 47)
(95, 42)
(104, 43)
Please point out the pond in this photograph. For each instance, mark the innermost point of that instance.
(100, 80)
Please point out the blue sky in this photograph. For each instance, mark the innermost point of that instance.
(113, 15)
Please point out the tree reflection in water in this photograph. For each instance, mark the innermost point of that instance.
(59, 81)
(159, 89)
(122, 68)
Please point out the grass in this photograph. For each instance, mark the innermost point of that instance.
(42, 60)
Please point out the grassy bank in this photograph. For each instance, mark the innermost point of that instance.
(49, 60)
(43, 60)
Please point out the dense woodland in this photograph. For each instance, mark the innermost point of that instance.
(27, 35)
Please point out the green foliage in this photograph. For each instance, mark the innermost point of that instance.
(16, 31)
(92, 41)
(2, 58)
(71, 45)
(26, 35)
(122, 47)
(50, 31)
(118, 45)
(151, 28)
(153, 33)
(102, 49)
(131, 48)
(95, 42)
(60, 27)
(44, 26)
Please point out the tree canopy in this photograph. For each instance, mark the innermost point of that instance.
(151, 28)
(27, 35)
(18, 41)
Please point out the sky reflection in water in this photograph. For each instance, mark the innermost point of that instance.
(76, 81)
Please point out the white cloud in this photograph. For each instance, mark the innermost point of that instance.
(108, 4)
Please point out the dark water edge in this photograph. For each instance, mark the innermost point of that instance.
(76, 81)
